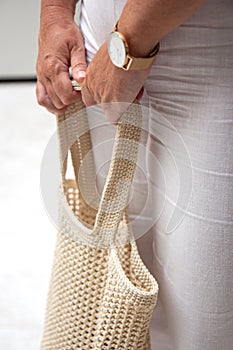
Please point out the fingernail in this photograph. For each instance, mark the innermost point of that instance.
(81, 74)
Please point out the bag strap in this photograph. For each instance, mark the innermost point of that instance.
(115, 196)
(74, 134)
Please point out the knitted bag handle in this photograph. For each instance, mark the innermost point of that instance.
(116, 191)
(115, 196)
(74, 135)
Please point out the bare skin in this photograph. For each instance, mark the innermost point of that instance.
(61, 46)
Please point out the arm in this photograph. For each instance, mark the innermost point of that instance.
(60, 46)
(143, 23)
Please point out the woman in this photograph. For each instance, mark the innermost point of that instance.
(189, 89)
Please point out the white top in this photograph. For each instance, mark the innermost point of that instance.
(97, 21)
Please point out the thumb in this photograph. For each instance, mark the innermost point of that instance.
(78, 63)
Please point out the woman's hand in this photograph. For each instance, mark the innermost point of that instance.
(105, 83)
(60, 47)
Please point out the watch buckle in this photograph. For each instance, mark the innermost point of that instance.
(128, 64)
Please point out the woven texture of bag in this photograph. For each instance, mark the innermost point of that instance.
(101, 295)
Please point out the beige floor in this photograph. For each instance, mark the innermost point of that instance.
(27, 235)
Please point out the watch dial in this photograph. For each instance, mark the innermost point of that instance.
(116, 49)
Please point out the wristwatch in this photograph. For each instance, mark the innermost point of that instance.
(118, 50)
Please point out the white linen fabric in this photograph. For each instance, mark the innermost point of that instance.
(190, 98)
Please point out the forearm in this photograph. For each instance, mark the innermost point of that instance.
(145, 22)
(54, 11)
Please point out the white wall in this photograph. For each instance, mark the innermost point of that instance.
(19, 25)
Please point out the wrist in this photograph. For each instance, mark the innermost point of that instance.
(141, 44)
(56, 12)
(62, 4)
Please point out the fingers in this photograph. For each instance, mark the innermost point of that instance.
(45, 101)
(87, 94)
(56, 54)
(62, 88)
(78, 63)
(56, 94)
(54, 97)
(43, 98)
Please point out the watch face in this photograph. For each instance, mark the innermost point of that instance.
(116, 49)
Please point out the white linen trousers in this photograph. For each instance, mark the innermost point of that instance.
(190, 173)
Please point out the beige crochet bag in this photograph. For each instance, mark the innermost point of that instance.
(101, 295)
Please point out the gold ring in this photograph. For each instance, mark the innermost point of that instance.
(77, 86)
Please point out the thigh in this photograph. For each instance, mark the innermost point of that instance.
(191, 135)
(193, 240)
